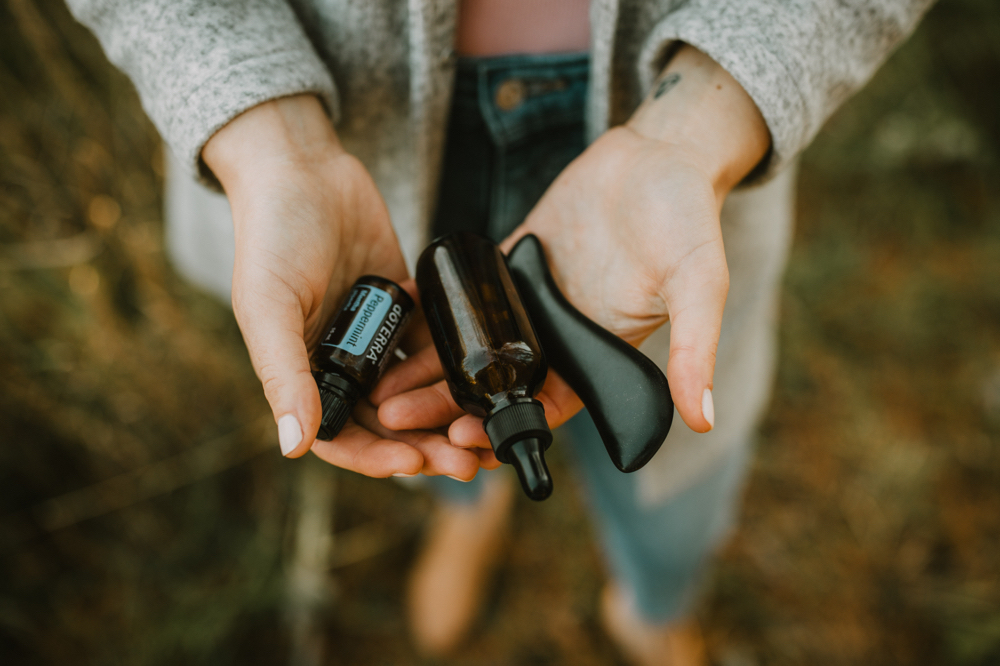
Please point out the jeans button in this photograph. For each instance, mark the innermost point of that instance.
(510, 94)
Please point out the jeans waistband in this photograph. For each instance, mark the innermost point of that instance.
(470, 69)
(518, 95)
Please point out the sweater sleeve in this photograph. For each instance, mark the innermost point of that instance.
(197, 65)
(798, 59)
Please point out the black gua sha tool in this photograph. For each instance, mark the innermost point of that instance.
(626, 393)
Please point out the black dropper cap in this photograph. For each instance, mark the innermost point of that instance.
(520, 437)
(338, 395)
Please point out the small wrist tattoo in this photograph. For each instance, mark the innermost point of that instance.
(666, 85)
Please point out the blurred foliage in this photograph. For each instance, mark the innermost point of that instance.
(120, 388)
(144, 510)
(872, 520)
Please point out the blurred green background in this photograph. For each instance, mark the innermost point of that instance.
(146, 516)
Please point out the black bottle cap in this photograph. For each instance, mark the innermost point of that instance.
(520, 436)
(338, 397)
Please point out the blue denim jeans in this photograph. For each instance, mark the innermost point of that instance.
(516, 122)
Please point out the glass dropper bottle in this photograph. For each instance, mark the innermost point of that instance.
(491, 357)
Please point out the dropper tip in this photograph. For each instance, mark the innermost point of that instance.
(527, 457)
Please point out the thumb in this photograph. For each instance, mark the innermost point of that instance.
(696, 298)
(273, 332)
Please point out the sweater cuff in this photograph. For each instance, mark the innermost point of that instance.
(211, 104)
(738, 45)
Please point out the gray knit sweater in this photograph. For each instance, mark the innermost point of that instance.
(384, 67)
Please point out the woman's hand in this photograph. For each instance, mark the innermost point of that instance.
(309, 221)
(631, 231)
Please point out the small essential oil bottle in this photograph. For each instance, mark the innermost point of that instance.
(352, 355)
(491, 357)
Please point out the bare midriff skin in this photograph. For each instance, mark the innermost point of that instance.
(501, 27)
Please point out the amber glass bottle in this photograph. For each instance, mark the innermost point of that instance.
(357, 345)
(492, 360)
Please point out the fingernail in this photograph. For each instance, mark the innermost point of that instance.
(404, 476)
(708, 407)
(289, 433)
(456, 478)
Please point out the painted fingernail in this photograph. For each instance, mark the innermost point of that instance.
(404, 476)
(289, 433)
(708, 407)
(457, 479)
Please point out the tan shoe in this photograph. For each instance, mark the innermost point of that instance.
(675, 644)
(461, 549)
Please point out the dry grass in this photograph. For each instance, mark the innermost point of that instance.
(145, 509)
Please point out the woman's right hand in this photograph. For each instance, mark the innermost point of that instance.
(309, 221)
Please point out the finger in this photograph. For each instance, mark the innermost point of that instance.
(420, 369)
(273, 331)
(440, 458)
(423, 408)
(487, 459)
(443, 459)
(560, 401)
(696, 298)
(467, 432)
(360, 450)
(417, 335)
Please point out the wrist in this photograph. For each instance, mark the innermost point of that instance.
(703, 112)
(287, 133)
